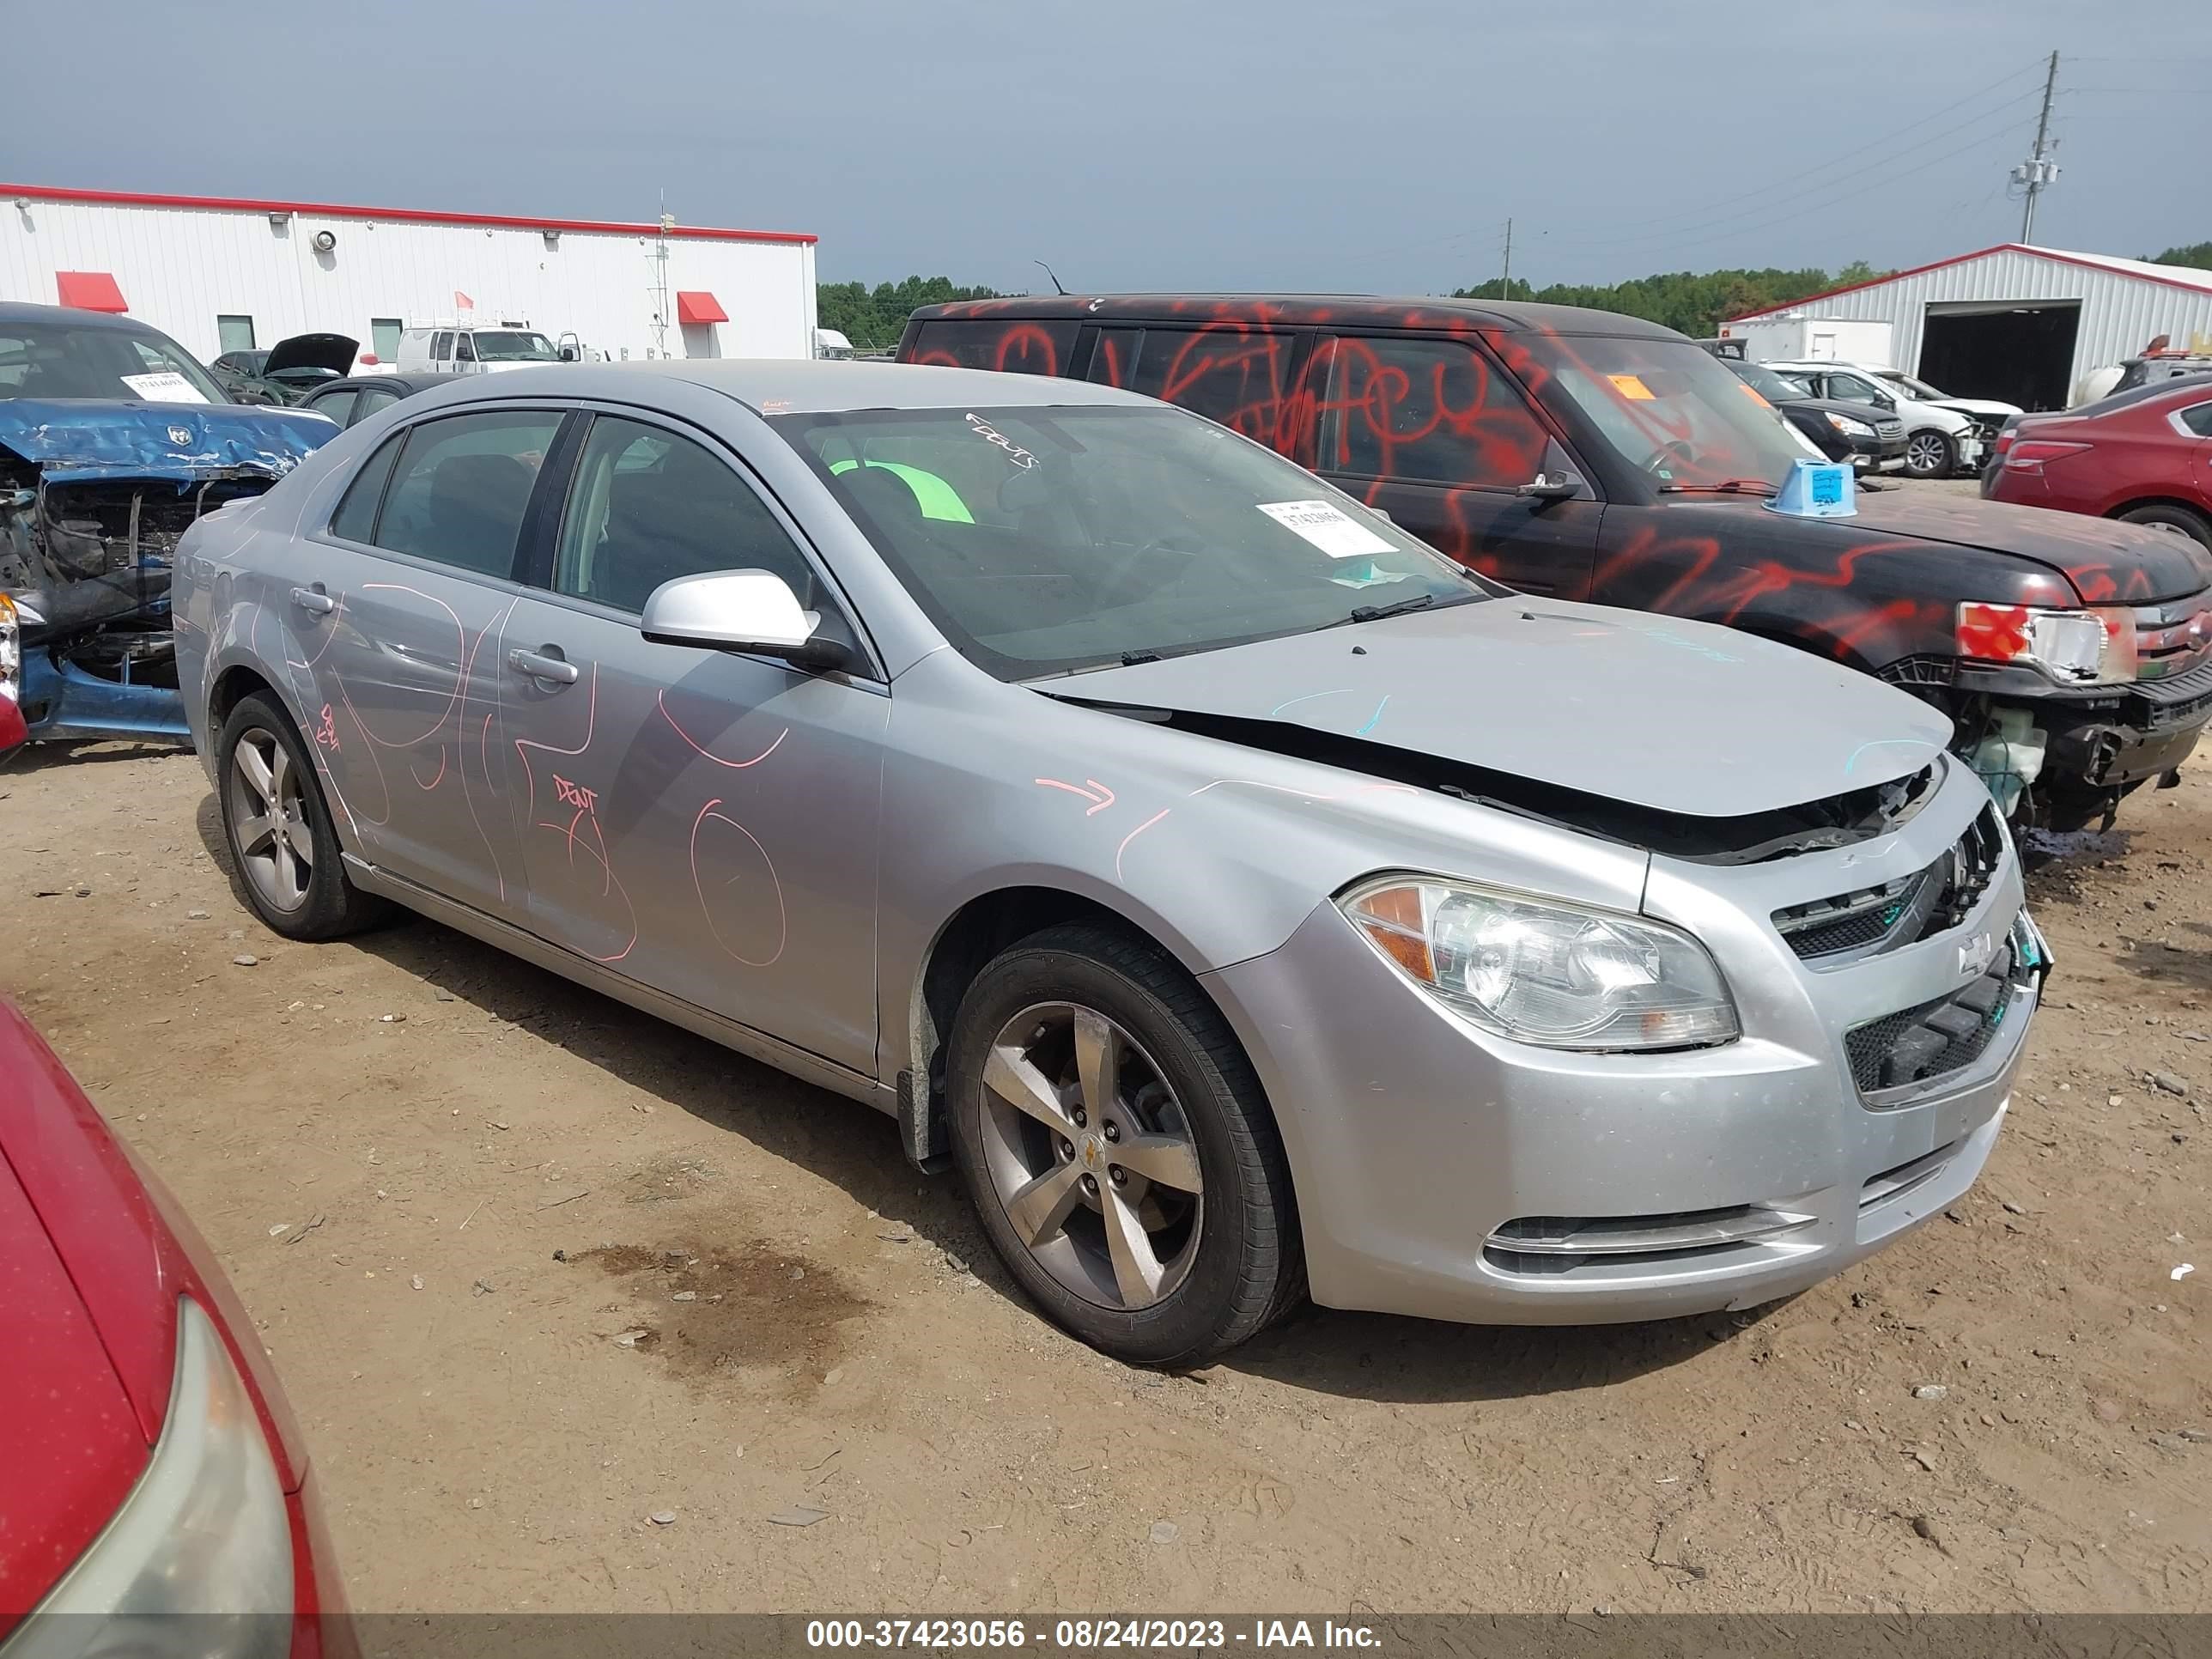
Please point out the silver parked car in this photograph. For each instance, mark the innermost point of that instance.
(1245, 897)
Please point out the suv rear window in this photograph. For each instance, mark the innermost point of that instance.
(1021, 348)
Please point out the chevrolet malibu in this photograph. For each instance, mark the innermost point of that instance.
(1249, 901)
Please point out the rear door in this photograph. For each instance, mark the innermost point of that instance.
(1435, 433)
(704, 823)
(1237, 373)
(394, 621)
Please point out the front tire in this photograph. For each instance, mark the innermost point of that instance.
(2188, 521)
(1119, 1151)
(1930, 455)
(278, 827)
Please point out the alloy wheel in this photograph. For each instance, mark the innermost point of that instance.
(269, 826)
(1925, 454)
(1092, 1156)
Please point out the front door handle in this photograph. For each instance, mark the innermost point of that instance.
(314, 600)
(540, 665)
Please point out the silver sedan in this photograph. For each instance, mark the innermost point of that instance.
(1245, 898)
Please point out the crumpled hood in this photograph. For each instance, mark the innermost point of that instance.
(2108, 562)
(88, 438)
(1679, 717)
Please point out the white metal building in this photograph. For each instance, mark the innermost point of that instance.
(220, 274)
(2020, 323)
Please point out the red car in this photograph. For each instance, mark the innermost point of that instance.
(2144, 456)
(153, 1469)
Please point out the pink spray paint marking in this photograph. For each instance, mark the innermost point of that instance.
(782, 915)
(574, 794)
(1133, 834)
(1097, 793)
(660, 699)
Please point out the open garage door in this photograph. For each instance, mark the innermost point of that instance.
(2018, 353)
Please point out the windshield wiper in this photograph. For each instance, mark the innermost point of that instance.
(1726, 487)
(1367, 613)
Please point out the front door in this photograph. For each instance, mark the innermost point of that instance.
(704, 823)
(392, 628)
(1436, 434)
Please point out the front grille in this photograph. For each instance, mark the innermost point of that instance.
(1918, 1045)
(1923, 670)
(1901, 912)
(2179, 696)
(2173, 641)
(1890, 428)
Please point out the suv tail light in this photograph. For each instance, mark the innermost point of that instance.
(2028, 454)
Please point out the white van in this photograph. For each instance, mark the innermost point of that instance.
(456, 348)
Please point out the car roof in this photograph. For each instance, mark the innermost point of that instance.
(801, 386)
(24, 311)
(1296, 310)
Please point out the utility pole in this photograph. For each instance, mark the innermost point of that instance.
(1506, 283)
(2038, 170)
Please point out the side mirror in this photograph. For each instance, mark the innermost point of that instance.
(568, 353)
(752, 611)
(1561, 486)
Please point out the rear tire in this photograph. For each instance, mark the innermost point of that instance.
(1930, 455)
(1156, 1216)
(278, 828)
(2187, 521)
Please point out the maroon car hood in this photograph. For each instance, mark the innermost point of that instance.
(2108, 562)
(69, 1441)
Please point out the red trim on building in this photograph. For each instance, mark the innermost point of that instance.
(89, 290)
(1961, 260)
(696, 305)
(430, 216)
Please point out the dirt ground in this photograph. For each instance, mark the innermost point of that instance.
(393, 1142)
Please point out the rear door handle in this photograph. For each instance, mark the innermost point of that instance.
(541, 666)
(314, 600)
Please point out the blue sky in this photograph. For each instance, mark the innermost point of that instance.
(1148, 143)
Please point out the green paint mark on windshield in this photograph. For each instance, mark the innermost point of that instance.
(938, 498)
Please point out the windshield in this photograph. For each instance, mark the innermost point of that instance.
(1045, 540)
(1767, 383)
(506, 346)
(1672, 410)
(57, 360)
(1911, 387)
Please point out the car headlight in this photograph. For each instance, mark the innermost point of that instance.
(1544, 973)
(204, 1532)
(2078, 647)
(11, 652)
(1850, 428)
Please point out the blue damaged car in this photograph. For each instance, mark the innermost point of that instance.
(113, 440)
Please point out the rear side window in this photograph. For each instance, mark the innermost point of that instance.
(441, 347)
(461, 486)
(1019, 348)
(2198, 420)
(1429, 411)
(356, 519)
(338, 406)
(1236, 376)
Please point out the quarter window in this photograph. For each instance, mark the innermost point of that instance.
(647, 507)
(1432, 411)
(2198, 420)
(356, 519)
(461, 486)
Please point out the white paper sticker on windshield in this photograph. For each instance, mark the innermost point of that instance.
(166, 387)
(1328, 528)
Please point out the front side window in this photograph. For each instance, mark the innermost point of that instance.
(1051, 540)
(646, 507)
(461, 486)
(1434, 411)
(464, 350)
(50, 360)
(1669, 409)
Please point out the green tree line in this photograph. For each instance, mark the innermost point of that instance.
(873, 318)
(2198, 254)
(1695, 302)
